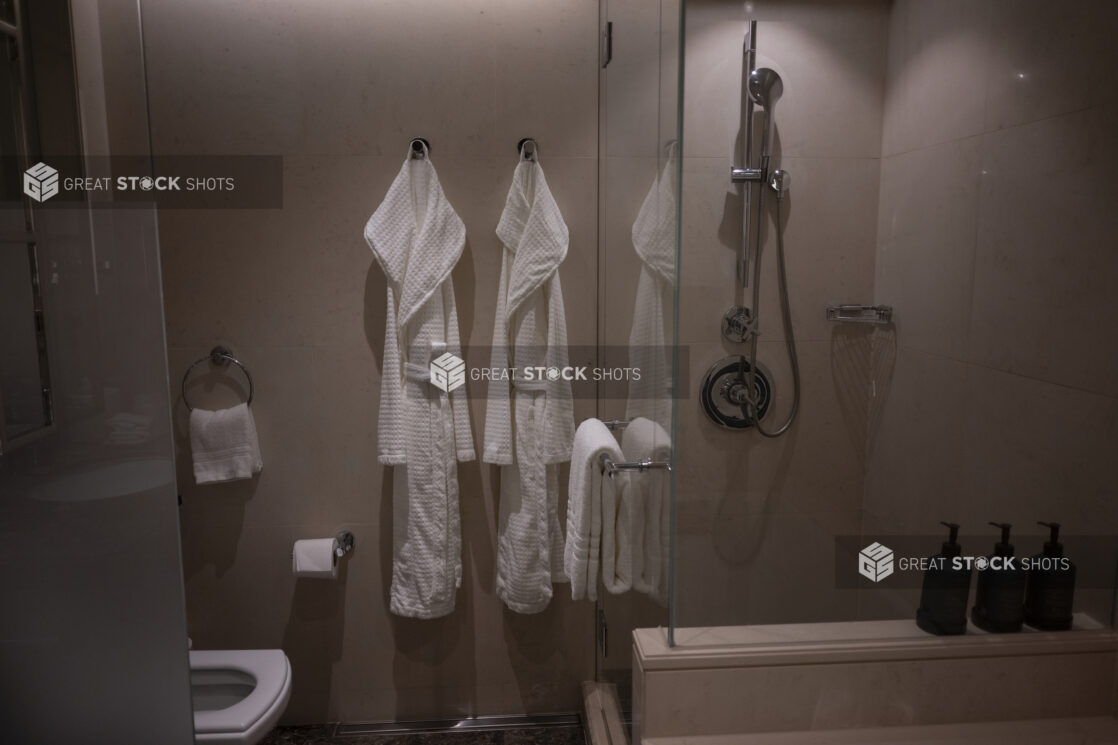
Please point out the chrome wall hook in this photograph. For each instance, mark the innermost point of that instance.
(528, 149)
(420, 148)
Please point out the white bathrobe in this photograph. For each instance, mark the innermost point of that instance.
(529, 424)
(417, 239)
(650, 339)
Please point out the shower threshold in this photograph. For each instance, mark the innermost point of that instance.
(468, 724)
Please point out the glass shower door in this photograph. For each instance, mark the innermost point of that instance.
(638, 258)
(93, 635)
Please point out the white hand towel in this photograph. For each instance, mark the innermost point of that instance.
(529, 425)
(417, 238)
(654, 239)
(224, 445)
(592, 514)
(644, 438)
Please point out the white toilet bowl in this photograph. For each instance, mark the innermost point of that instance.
(238, 694)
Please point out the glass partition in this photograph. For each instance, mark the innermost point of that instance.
(92, 639)
(638, 246)
(950, 277)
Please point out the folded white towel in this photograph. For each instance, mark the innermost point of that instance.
(644, 438)
(593, 513)
(224, 445)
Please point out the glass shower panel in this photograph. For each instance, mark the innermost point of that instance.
(638, 239)
(974, 399)
(92, 639)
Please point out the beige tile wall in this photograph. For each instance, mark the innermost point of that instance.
(757, 517)
(338, 91)
(996, 246)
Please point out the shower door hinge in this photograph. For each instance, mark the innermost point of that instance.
(603, 632)
(607, 43)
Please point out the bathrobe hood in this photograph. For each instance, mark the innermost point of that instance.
(396, 227)
(530, 327)
(533, 231)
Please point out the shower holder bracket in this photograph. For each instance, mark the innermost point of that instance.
(744, 175)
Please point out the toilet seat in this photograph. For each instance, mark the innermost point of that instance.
(258, 712)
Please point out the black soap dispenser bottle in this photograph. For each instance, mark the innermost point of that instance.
(999, 599)
(943, 601)
(1051, 586)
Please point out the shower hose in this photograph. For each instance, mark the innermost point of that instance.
(749, 406)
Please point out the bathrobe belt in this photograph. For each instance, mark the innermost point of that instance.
(417, 373)
(530, 386)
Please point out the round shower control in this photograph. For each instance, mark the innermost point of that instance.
(725, 395)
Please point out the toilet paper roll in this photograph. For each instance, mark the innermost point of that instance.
(315, 557)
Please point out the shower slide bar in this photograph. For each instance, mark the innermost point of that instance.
(748, 175)
(609, 467)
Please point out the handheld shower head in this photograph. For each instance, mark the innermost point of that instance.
(765, 87)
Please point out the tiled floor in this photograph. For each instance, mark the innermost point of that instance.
(324, 735)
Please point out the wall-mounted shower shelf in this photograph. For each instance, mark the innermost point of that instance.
(879, 314)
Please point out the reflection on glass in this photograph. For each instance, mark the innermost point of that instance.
(10, 189)
(21, 345)
(651, 337)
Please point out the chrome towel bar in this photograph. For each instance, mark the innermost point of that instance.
(609, 467)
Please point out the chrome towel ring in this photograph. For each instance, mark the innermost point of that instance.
(219, 357)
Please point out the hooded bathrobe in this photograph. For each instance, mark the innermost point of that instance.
(529, 420)
(417, 238)
(654, 239)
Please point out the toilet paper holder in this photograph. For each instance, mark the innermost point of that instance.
(345, 545)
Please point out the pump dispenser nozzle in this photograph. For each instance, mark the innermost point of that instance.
(951, 547)
(1052, 546)
(943, 599)
(1003, 547)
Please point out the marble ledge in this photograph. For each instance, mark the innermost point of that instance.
(854, 641)
(1076, 731)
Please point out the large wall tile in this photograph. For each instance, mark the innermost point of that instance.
(927, 221)
(1036, 69)
(937, 73)
(914, 478)
(1044, 266)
